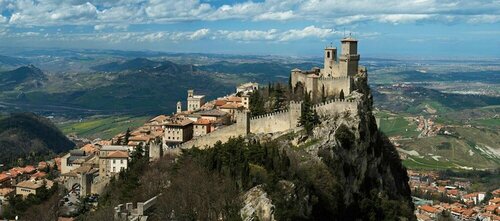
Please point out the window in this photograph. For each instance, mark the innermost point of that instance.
(114, 161)
(114, 169)
(121, 161)
(328, 54)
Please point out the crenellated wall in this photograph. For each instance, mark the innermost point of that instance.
(335, 106)
(277, 121)
(269, 123)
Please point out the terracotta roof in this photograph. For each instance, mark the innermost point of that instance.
(428, 209)
(202, 122)
(159, 118)
(220, 102)
(38, 175)
(140, 138)
(491, 208)
(231, 106)
(4, 177)
(234, 99)
(118, 154)
(5, 191)
(178, 122)
(14, 172)
(468, 212)
(29, 184)
(212, 113)
(89, 148)
(495, 200)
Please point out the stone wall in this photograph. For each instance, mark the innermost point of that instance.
(277, 121)
(270, 123)
(335, 106)
(333, 85)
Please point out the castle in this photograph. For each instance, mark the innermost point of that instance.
(337, 73)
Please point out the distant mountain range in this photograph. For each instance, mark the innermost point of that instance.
(28, 136)
(26, 76)
(12, 61)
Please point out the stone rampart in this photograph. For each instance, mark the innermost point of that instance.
(335, 106)
(271, 123)
(222, 134)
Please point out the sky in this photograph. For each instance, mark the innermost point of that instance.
(392, 28)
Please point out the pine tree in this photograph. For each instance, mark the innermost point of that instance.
(309, 117)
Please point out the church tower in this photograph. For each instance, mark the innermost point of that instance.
(179, 107)
(349, 59)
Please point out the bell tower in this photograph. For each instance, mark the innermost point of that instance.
(179, 107)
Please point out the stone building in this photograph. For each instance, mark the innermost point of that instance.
(28, 187)
(337, 73)
(247, 88)
(201, 127)
(178, 130)
(194, 102)
(105, 167)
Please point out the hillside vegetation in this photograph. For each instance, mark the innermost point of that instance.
(25, 137)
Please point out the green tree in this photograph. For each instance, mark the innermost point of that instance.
(309, 117)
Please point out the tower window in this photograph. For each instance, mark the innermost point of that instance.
(328, 54)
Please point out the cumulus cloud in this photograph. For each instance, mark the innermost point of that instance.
(342, 12)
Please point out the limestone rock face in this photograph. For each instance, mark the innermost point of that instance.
(257, 205)
(363, 159)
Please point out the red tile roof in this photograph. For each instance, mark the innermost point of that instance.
(29, 169)
(220, 102)
(428, 209)
(4, 177)
(118, 154)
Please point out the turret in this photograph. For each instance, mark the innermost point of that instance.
(190, 93)
(349, 59)
(330, 60)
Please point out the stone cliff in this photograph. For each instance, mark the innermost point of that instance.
(356, 161)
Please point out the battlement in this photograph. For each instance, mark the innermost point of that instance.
(331, 78)
(333, 101)
(270, 114)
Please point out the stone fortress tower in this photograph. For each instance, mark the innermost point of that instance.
(337, 73)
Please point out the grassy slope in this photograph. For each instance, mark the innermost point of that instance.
(103, 127)
(398, 126)
(454, 152)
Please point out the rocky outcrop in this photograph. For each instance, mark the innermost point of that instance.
(257, 205)
(358, 164)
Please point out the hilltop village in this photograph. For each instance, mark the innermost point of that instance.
(200, 123)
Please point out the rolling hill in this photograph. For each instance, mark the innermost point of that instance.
(28, 136)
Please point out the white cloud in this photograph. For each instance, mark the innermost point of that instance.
(402, 18)
(275, 16)
(310, 31)
(153, 37)
(199, 34)
(484, 19)
(104, 27)
(341, 12)
(249, 35)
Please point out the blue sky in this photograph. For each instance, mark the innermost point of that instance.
(419, 28)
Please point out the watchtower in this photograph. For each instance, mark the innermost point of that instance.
(330, 61)
(243, 121)
(349, 59)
